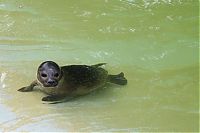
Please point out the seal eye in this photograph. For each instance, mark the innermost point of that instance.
(44, 75)
(56, 75)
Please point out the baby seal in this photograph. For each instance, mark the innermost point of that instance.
(71, 81)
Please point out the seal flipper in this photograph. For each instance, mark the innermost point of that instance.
(52, 98)
(25, 89)
(117, 79)
(28, 88)
(61, 100)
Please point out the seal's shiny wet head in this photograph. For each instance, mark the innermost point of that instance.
(49, 74)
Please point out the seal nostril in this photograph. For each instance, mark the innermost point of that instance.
(51, 82)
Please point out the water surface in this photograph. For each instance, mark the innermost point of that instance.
(155, 43)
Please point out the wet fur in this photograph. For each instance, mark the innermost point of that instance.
(74, 80)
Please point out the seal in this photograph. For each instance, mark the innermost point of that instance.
(71, 81)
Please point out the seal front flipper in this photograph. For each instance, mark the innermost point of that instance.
(28, 88)
(52, 98)
(56, 100)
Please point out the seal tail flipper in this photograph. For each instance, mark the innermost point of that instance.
(117, 79)
(98, 65)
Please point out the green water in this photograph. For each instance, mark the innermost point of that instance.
(154, 42)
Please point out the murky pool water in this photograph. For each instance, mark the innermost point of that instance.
(154, 42)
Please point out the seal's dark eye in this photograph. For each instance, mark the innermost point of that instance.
(56, 75)
(44, 75)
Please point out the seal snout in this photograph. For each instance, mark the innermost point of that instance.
(52, 83)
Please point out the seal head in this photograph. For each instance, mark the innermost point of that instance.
(49, 74)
